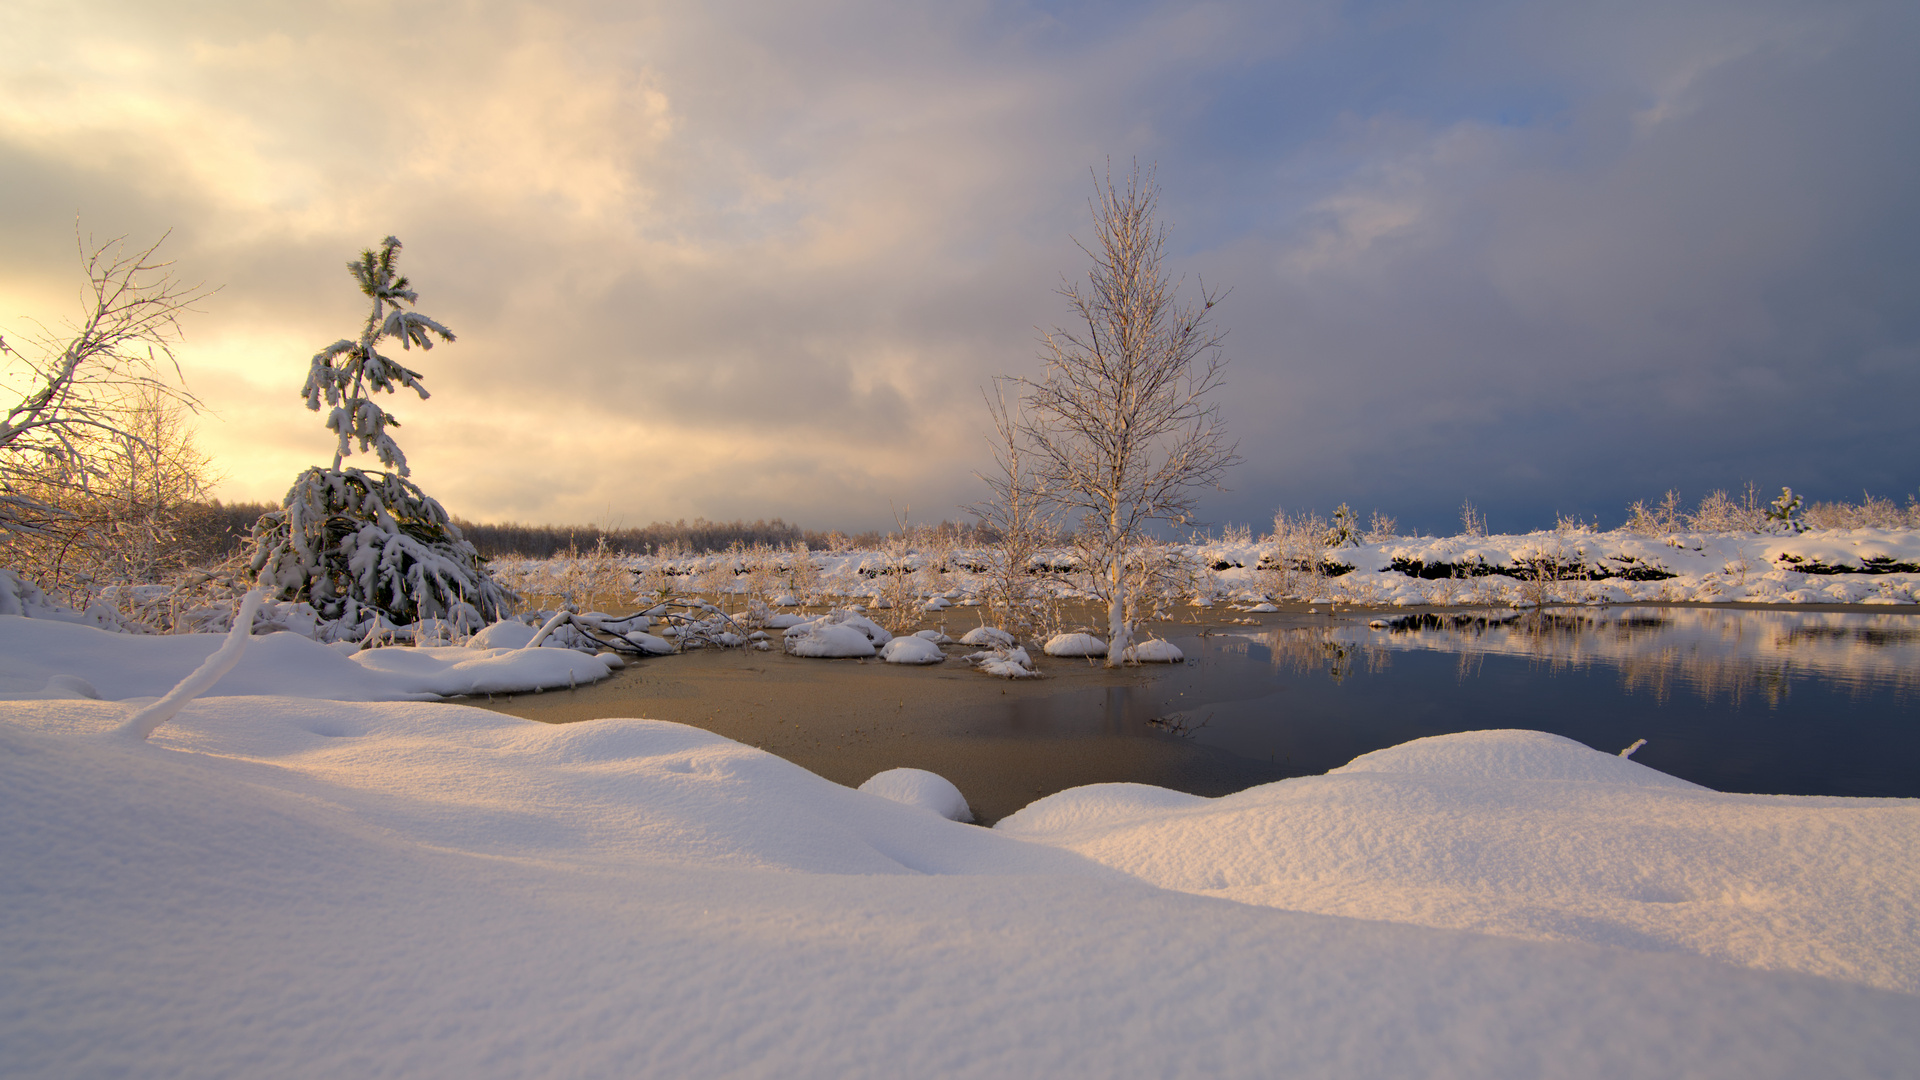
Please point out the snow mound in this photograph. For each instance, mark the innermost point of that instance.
(506, 634)
(934, 636)
(918, 787)
(911, 650)
(1264, 608)
(1530, 835)
(786, 600)
(1075, 645)
(1153, 651)
(1509, 755)
(648, 643)
(987, 637)
(828, 640)
(938, 603)
(782, 622)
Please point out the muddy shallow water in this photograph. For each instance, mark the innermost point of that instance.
(1772, 701)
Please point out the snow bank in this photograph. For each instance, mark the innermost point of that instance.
(319, 889)
(918, 787)
(1530, 835)
(34, 652)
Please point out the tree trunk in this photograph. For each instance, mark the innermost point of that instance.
(1117, 605)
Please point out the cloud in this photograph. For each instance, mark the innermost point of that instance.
(753, 259)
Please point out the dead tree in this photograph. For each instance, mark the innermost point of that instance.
(75, 393)
(1120, 425)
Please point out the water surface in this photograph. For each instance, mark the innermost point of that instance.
(1803, 703)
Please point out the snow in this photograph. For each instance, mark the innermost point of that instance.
(918, 787)
(304, 874)
(1075, 645)
(911, 649)
(987, 636)
(1154, 651)
(505, 634)
(119, 667)
(1529, 835)
(828, 640)
(1006, 663)
(311, 888)
(649, 643)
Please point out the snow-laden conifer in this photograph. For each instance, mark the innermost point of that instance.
(360, 544)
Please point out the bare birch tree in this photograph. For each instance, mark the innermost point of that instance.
(1120, 425)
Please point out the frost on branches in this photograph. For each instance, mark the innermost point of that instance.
(355, 544)
(358, 544)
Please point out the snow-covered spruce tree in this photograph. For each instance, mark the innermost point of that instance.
(360, 545)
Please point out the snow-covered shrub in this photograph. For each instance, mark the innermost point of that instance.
(360, 544)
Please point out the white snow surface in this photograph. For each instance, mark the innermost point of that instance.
(121, 667)
(828, 640)
(988, 636)
(1075, 645)
(1530, 835)
(911, 649)
(311, 888)
(918, 787)
(505, 634)
(1154, 651)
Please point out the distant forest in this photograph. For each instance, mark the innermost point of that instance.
(217, 529)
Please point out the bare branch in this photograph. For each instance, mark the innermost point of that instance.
(86, 381)
(1121, 426)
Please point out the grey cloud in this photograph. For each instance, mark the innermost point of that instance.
(755, 259)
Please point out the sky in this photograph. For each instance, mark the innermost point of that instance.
(734, 259)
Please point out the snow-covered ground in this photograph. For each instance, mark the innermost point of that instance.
(1869, 566)
(307, 887)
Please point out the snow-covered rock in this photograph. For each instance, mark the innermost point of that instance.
(828, 640)
(649, 643)
(1153, 651)
(1075, 645)
(934, 636)
(918, 787)
(911, 650)
(987, 637)
(505, 634)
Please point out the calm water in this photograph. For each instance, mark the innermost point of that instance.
(1799, 703)
(1803, 703)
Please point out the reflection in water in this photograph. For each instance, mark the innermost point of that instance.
(1713, 652)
